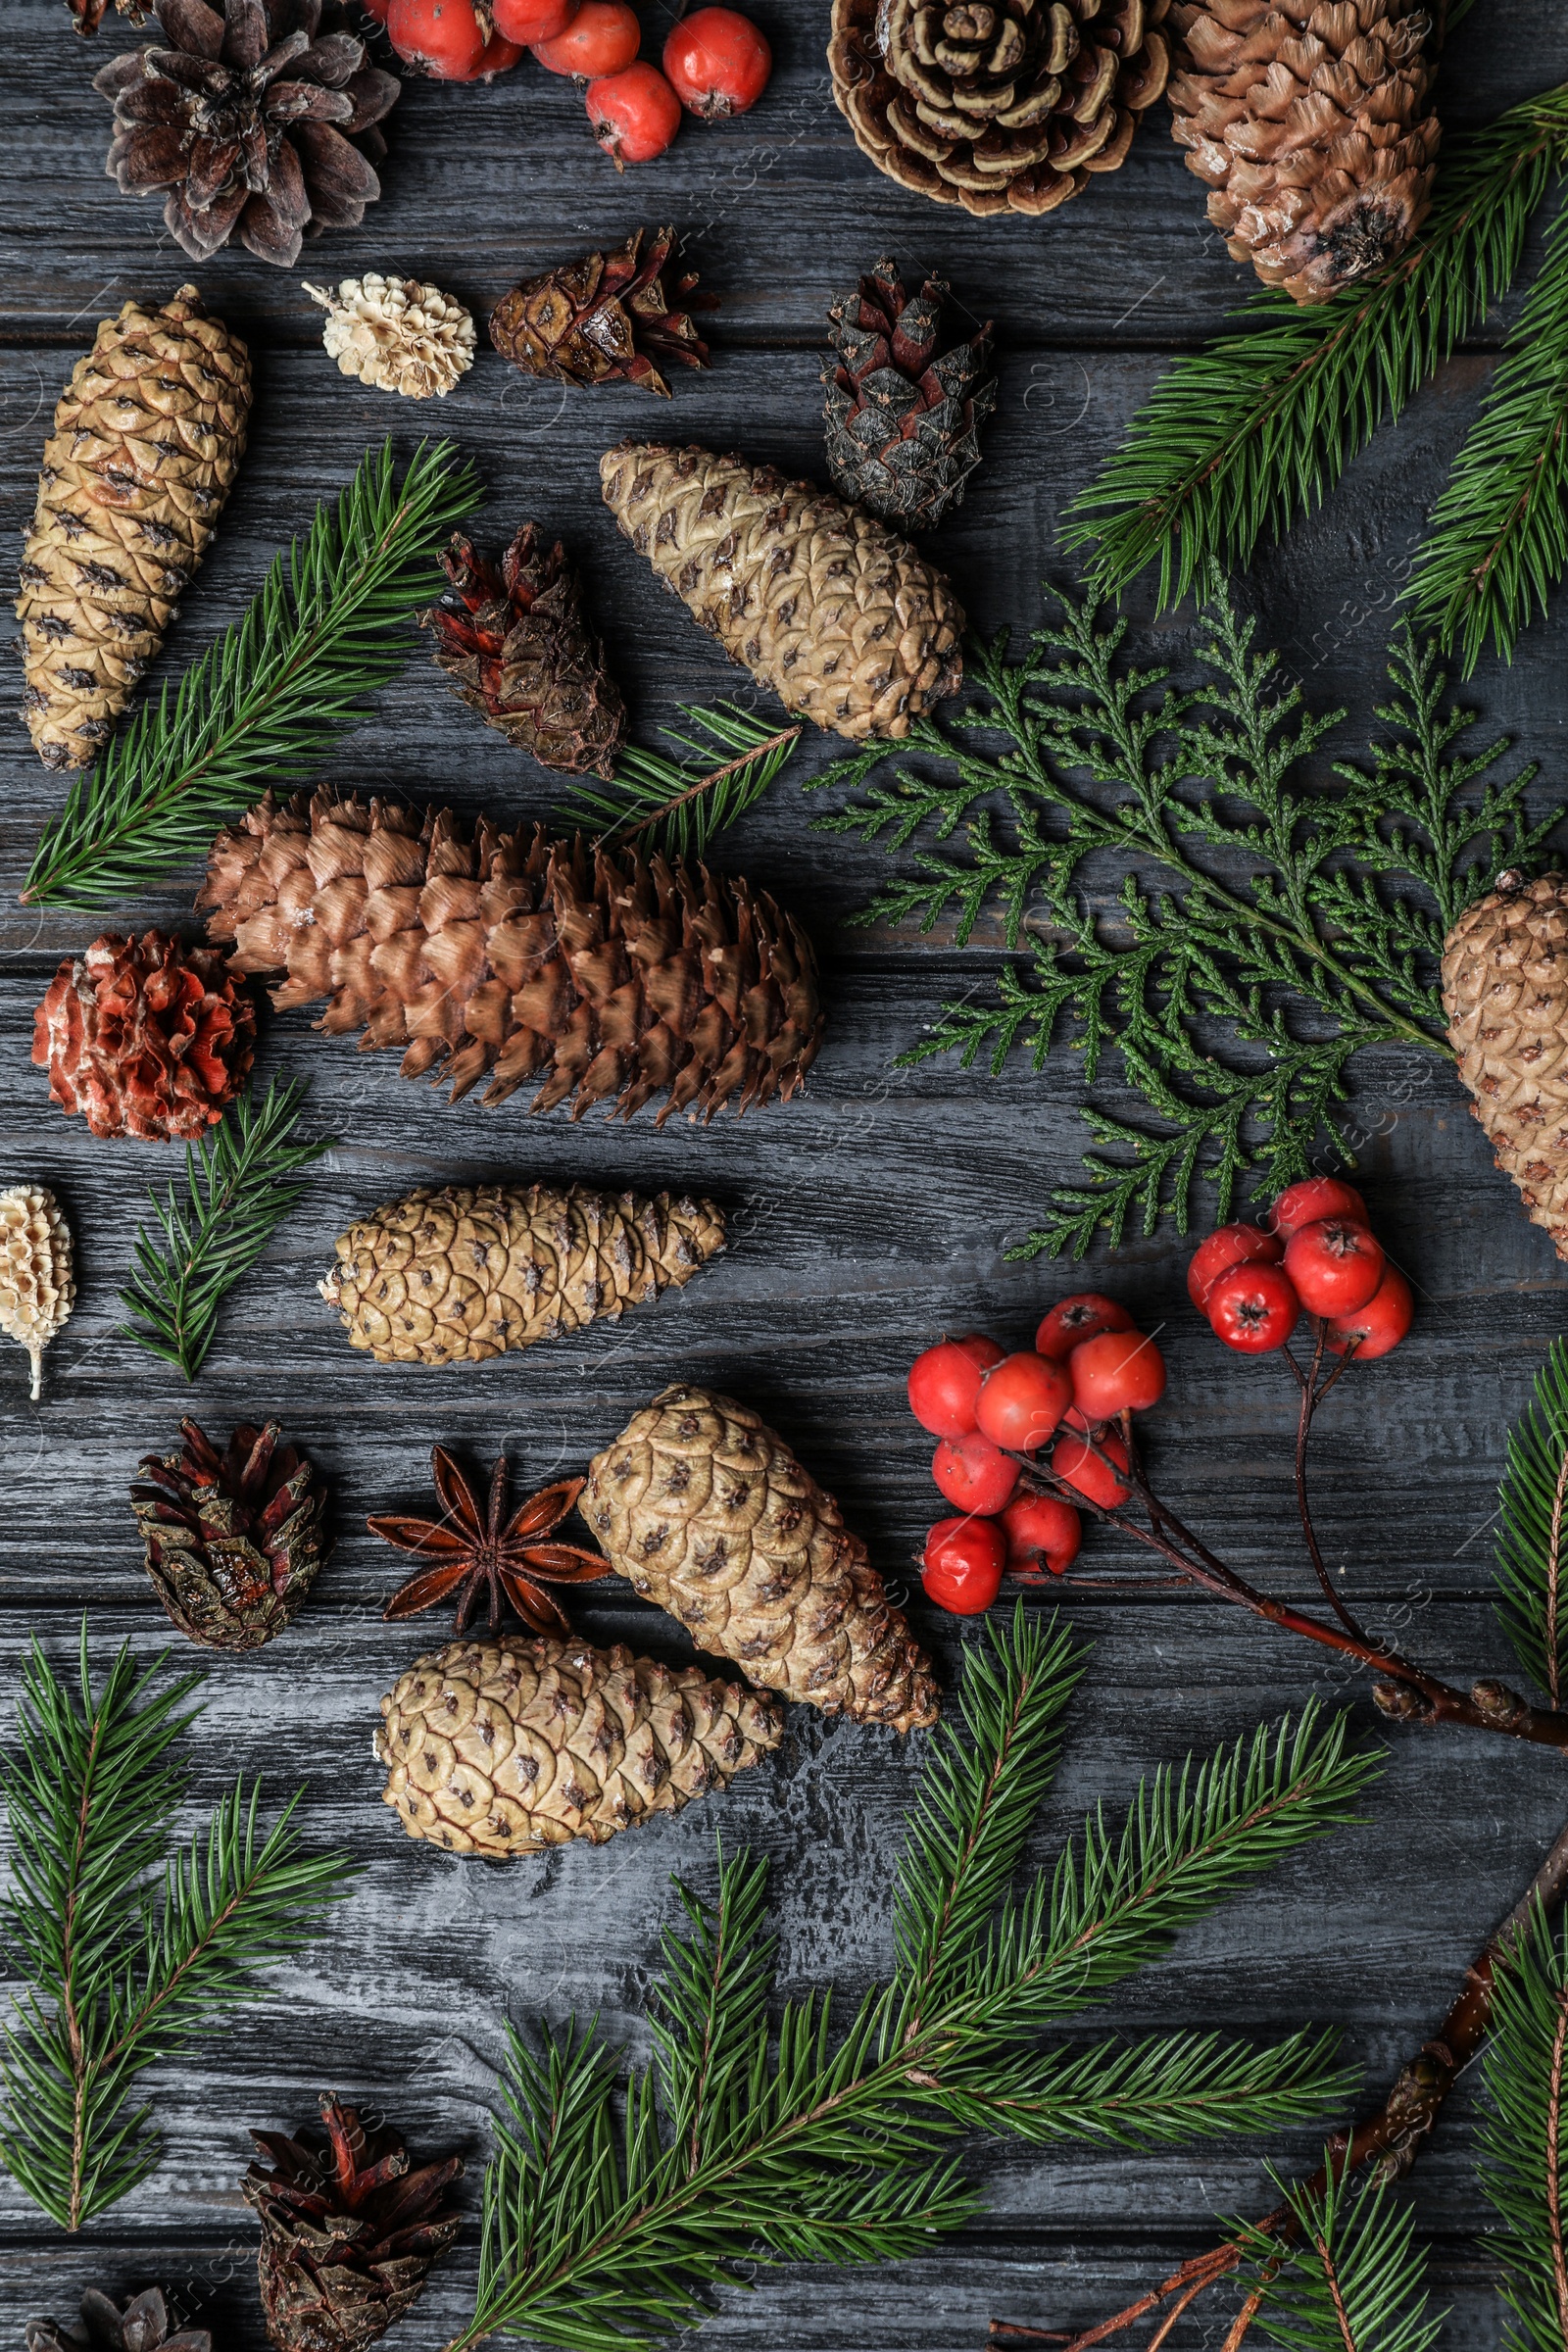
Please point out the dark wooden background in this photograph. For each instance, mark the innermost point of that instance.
(868, 1216)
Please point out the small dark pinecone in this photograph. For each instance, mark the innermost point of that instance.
(518, 650)
(232, 1542)
(606, 317)
(349, 2232)
(903, 416)
(143, 2325)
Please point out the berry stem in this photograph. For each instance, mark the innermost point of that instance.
(1312, 1396)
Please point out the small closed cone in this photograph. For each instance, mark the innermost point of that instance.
(1505, 992)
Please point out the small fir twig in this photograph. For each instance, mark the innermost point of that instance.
(1524, 2136)
(1532, 1599)
(1349, 2277)
(265, 703)
(127, 1946)
(678, 806)
(239, 1190)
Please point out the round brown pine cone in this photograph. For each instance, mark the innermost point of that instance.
(997, 104)
(1505, 992)
(234, 1540)
(145, 1036)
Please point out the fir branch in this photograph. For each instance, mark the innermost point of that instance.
(266, 703)
(1241, 438)
(1498, 540)
(128, 1949)
(1532, 1553)
(238, 1188)
(615, 2200)
(1348, 2277)
(1523, 2145)
(675, 806)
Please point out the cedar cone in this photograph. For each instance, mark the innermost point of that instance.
(146, 1037)
(143, 2325)
(518, 650)
(258, 119)
(510, 955)
(234, 1540)
(902, 417)
(605, 318)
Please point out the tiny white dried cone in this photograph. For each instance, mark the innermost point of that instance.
(397, 334)
(37, 1284)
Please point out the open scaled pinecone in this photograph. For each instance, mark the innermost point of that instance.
(510, 956)
(606, 317)
(997, 104)
(350, 2232)
(143, 2325)
(396, 333)
(902, 417)
(1309, 120)
(146, 1037)
(518, 647)
(258, 117)
(234, 1540)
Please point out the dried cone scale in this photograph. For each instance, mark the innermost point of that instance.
(147, 440)
(508, 956)
(1505, 992)
(511, 1746)
(830, 610)
(1308, 120)
(461, 1275)
(703, 1508)
(37, 1278)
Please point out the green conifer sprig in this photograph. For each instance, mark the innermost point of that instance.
(617, 2197)
(128, 1945)
(1349, 2277)
(1522, 2149)
(1531, 1553)
(677, 805)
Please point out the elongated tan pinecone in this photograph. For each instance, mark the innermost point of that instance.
(38, 1271)
(459, 1275)
(827, 608)
(1505, 991)
(510, 956)
(703, 1508)
(1308, 120)
(147, 440)
(510, 1746)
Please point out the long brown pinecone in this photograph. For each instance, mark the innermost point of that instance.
(147, 440)
(1505, 992)
(510, 956)
(703, 1508)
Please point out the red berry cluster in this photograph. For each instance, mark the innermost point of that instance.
(715, 59)
(1089, 1363)
(1315, 1250)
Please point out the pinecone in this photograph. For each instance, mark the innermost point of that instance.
(841, 619)
(89, 14)
(461, 1275)
(903, 419)
(146, 1037)
(1309, 121)
(997, 104)
(147, 440)
(511, 955)
(349, 2232)
(396, 334)
(231, 1540)
(704, 1510)
(1505, 991)
(258, 117)
(37, 1277)
(518, 650)
(509, 1746)
(607, 318)
(143, 2325)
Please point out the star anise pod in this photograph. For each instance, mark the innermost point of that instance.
(488, 1555)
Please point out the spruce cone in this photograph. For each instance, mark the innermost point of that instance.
(37, 1277)
(143, 2325)
(257, 116)
(841, 619)
(232, 1542)
(459, 1275)
(510, 1747)
(147, 440)
(997, 104)
(518, 650)
(397, 334)
(607, 318)
(1505, 992)
(349, 2232)
(511, 955)
(903, 419)
(703, 1508)
(146, 1037)
(1309, 121)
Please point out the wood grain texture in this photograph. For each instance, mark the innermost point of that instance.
(865, 1218)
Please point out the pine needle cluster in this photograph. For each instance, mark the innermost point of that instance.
(128, 1945)
(617, 2197)
(676, 806)
(1346, 2274)
(1271, 922)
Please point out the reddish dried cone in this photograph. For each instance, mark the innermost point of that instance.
(145, 1036)
(234, 1540)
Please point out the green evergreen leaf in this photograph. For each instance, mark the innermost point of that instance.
(1531, 1553)
(1522, 2155)
(1350, 2278)
(678, 806)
